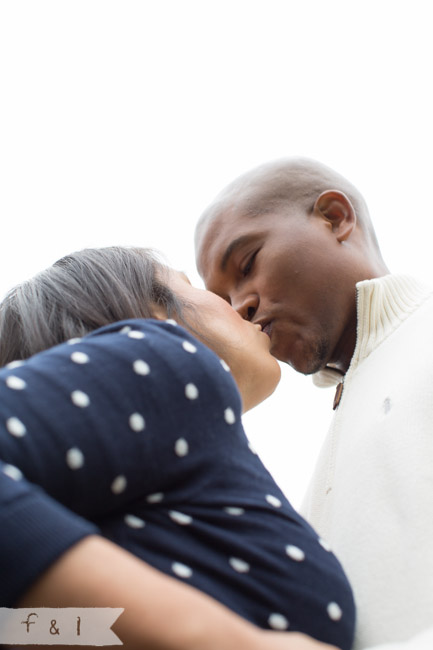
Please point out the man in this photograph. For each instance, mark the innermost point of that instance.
(291, 246)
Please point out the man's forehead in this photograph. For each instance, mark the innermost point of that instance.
(213, 234)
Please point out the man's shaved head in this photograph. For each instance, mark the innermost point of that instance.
(284, 184)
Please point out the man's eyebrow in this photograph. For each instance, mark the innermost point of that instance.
(232, 247)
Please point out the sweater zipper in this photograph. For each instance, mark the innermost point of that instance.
(338, 394)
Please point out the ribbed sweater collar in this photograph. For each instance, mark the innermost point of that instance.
(382, 304)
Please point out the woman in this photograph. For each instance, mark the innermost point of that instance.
(135, 426)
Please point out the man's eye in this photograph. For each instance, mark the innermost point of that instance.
(249, 265)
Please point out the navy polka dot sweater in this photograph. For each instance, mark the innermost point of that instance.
(135, 432)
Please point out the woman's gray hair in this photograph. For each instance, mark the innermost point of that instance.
(81, 292)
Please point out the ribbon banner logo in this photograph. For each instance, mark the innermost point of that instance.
(59, 625)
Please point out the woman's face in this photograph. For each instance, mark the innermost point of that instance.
(242, 345)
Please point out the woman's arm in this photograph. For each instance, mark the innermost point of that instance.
(49, 557)
(160, 612)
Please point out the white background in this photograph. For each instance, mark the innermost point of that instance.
(120, 121)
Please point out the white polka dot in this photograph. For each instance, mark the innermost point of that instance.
(334, 611)
(136, 422)
(13, 472)
(278, 622)
(80, 357)
(225, 365)
(157, 497)
(229, 416)
(181, 570)
(295, 553)
(324, 544)
(141, 367)
(235, 512)
(135, 334)
(180, 518)
(16, 383)
(251, 448)
(16, 427)
(181, 447)
(239, 565)
(134, 522)
(14, 364)
(125, 329)
(273, 501)
(189, 347)
(74, 458)
(73, 341)
(191, 391)
(80, 399)
(119, 484)
(171, 321)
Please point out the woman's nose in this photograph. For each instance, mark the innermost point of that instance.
(246, 306)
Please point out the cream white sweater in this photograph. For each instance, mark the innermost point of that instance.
(371, 495)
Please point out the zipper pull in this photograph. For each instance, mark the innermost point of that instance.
(338, 394)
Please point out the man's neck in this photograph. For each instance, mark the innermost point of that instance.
(343, 353)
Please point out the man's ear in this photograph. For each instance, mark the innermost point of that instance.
(338, 210)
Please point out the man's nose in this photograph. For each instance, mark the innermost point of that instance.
(246, 306)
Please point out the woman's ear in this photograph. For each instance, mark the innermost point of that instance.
(338, 211)
(159, 312)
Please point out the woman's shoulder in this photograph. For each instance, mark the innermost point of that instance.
(131, 356)
(141, 328)
(166, 339)
(164, 350)
(166, 345)
(136, 335)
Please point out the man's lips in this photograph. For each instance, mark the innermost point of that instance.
(267, 328)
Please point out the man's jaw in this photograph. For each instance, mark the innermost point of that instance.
(305, 356)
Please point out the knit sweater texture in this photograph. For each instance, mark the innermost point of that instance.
(372, 490)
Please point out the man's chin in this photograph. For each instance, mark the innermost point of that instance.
(304, 358)
(306, 368)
